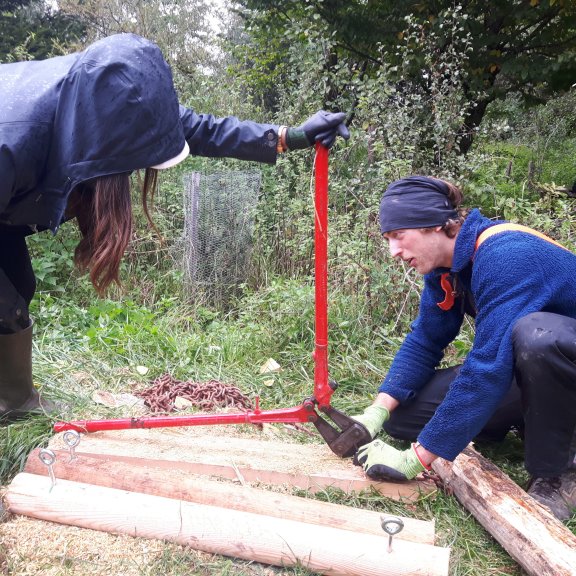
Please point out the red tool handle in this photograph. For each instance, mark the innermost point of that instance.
(322, 389)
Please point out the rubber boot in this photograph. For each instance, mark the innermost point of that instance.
(18, 397)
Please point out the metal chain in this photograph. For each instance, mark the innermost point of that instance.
(161, 396)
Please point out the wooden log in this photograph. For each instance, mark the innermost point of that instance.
(307, 466)
(144, 477)
(327, 479)
(215, 530)
(540, 543)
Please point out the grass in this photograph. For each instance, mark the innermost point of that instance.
(17, 440)
(83, 345)
(79, 350)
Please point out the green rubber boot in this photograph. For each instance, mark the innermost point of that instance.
(18, 397)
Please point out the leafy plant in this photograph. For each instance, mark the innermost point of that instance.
(148, 327)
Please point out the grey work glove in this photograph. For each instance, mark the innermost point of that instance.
(373, 418)
(322, 127)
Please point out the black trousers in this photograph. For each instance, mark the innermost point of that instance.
(541, 401)
(17, 282)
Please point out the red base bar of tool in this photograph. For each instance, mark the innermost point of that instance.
(303, 413)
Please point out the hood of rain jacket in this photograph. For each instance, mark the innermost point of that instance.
(109, 109)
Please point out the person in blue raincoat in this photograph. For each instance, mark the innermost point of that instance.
(72, 130)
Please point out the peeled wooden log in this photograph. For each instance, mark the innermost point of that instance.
(216, 530)
(144, 477)
(211, 452)
(540, 543)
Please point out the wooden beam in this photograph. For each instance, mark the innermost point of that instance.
(212, 529)
(348, 483)
(540, 543)
(145, 477)
(307, 466)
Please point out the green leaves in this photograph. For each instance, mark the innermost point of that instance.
(444, 50)
(31, 30)
(52, 258)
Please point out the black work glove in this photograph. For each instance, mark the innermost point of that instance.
(322, 127)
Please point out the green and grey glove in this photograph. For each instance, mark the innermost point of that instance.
(373, 418)
(321, 127)
(384, 462)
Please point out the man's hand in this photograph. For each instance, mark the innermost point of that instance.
(321, 127)
(373, 418)
(384, 462)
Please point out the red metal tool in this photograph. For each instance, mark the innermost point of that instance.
(343, 434)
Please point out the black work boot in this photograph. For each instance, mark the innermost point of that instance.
(568, 489)
(550, 493)
(18, 397)
(572, 453)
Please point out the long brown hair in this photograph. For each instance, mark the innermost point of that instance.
(103, 209)
(456, 197)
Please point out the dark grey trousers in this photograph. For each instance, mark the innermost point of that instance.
(17, 282)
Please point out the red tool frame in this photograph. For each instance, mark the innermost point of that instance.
(344, 438)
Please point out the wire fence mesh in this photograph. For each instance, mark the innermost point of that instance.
(217, 239)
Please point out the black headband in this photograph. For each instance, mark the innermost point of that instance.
(415, 202)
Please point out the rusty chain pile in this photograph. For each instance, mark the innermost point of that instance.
(161, 396)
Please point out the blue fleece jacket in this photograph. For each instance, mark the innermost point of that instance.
(511, 275)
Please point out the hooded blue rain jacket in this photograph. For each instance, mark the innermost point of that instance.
(109, 109)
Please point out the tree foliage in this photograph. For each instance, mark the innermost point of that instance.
(182, 28)
(30, 29)
(526, 46)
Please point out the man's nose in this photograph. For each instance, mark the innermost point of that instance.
(394, 247)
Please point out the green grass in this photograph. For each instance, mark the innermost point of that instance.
(80, 350)
(17, 440)
(83, 344)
